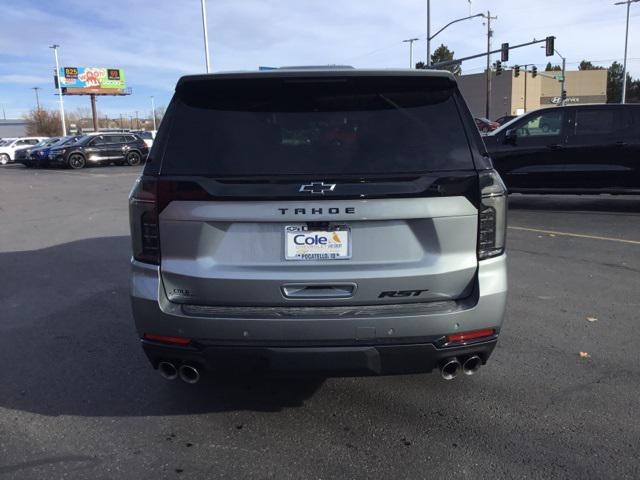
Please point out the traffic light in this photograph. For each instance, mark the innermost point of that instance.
(534, 71)
(516, 71)
(549, 46)
(564, 95)
(504, 54)
(498, 67)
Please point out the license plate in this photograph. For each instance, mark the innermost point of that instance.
(300, 243)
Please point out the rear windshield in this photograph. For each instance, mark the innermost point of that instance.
(319, 127)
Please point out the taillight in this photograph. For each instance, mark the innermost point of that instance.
(143, 219)
(492, 218)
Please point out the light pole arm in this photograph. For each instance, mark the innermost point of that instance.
(451, 23)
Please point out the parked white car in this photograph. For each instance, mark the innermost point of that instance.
(147, 135)
(8, 149)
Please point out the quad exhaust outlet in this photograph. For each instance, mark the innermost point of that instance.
(450, 368)
(168, 370)
(187, 373)
(471, 365)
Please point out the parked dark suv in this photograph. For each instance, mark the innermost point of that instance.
(330, 220)
(573, 149)
(118, 148)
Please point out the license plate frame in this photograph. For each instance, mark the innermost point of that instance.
(317, 251)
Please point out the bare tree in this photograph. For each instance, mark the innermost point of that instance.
(43, 122)
(160, 111)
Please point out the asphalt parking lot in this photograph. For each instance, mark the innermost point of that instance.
(78, 398)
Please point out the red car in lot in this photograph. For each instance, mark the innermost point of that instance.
(485, 125)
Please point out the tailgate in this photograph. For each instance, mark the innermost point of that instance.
(400, 250)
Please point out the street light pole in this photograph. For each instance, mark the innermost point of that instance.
(35, 89)
(206, 35)
(488, 17)
(55, 54)
(431, 37)
(562, 82)
(410, 42)
(153, 112)
(626, 41)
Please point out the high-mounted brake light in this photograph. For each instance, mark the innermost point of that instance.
(468, 336)
(167, 339)
(492, 218)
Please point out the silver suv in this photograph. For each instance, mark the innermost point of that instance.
(342, 222)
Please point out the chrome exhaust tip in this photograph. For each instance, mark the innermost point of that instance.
(471, 365)
(168, 370)
(449, 369)
(189, 374)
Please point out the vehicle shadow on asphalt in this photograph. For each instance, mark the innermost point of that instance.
(69, 347)
(627, 205)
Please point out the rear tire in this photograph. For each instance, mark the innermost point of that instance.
(76, 161)
(4, 159)
(133, 159)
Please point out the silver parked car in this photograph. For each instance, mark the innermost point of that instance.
(337, 221)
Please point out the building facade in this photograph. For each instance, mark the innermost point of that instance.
(13, 128)
(512, 95)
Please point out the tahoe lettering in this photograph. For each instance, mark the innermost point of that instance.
(318, 211)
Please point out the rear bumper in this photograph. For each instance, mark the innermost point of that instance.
(334, 361)
(384, 344)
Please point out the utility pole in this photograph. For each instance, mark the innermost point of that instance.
(525, 87)
(94, 112)
(35, 89)
(153, 112)
(137, 121)
(410, 42)
(4, 115)
(489, 33)
(428, 63)
(55, 53)
(564, 63)
(626, 41)
(206, 35)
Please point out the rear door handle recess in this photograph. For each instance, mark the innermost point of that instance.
(554, 146)
(318, 290)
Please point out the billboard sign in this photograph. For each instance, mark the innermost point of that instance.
(91, 80)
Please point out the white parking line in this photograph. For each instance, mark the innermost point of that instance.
(578, 235)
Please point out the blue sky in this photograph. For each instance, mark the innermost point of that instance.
(158, 41)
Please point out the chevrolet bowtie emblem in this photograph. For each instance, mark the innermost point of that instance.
(317, 187)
